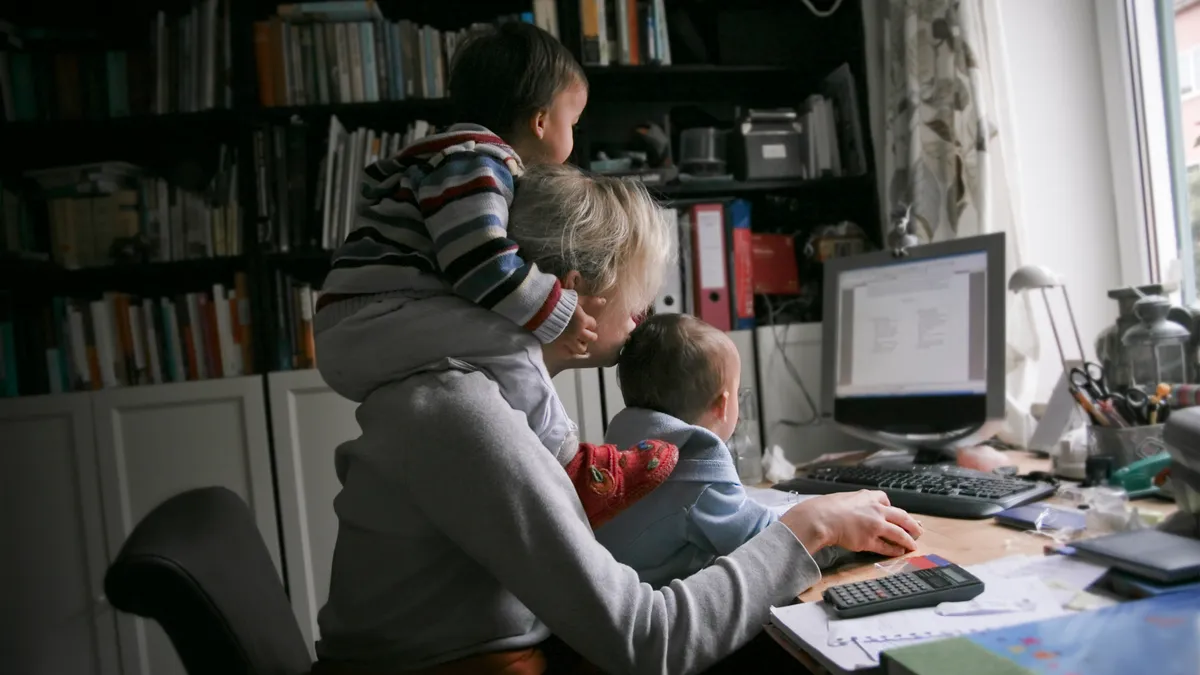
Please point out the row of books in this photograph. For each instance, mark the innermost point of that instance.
(301, 210)
(831, 130)
(122, 340)
(320, 53)
(625, 32)
(18, 228)
(46, 75)
(115, 212)
(295, 306)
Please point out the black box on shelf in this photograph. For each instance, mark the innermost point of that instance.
(767, 145)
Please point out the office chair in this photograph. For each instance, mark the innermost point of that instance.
(198, 566)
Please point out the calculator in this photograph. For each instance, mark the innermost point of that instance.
(910, 590)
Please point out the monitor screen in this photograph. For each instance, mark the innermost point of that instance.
(913, 328)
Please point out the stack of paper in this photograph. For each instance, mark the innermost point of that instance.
(1048, 584)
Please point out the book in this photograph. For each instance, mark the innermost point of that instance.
(1152, 635)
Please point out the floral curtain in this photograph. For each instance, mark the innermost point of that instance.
(944, 153)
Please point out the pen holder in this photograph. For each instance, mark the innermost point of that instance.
(1125, 445)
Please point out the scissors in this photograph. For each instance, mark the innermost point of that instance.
(1134, 404)
(1090, 380)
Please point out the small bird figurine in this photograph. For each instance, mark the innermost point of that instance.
(901, 238)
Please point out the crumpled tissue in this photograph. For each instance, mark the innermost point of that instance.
(776, 467)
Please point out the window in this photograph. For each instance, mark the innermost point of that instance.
(1187, 72)
(1153, 102)
(1178, 24)
(1188, 69)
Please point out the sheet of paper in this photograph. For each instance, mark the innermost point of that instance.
(872, 650)
(925, 622)
(1065, 576)
(1060, 571)
(806, 625)
(776, 500)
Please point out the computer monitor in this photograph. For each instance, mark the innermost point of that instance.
(916, 345)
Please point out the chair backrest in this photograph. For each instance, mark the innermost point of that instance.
(197, 565)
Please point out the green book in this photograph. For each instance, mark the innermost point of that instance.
(953, 656)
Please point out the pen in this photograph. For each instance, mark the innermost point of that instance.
(1089, 408)
(1113, 414)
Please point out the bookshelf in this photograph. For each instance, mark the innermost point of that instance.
(732, 68)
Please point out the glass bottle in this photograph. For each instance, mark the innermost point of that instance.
(745, 445)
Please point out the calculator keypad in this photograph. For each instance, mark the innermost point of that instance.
(884, 588)
(910, 590)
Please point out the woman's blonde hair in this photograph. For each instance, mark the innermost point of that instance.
(608, 229)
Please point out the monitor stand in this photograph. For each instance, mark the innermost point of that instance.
(927, 452)
(912, 458)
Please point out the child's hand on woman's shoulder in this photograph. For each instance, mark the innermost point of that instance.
(581, 330)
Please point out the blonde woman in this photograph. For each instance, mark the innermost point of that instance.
(462, 544)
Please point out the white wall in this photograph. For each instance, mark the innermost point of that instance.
(1052, 67)
(1062, 159)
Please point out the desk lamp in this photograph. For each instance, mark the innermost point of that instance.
(1031, 277)
(1060, 410)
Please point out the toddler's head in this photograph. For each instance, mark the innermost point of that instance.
(679, 365)
(521, 83)
(602, 236)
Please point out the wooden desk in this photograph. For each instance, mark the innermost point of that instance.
(965, 542)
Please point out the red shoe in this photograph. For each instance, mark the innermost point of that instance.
(608, 480)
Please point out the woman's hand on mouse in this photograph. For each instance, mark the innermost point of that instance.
(858, 521)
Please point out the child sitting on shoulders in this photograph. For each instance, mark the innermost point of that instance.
(435, 252)
(680, 379)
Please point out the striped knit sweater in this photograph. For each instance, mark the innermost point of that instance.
(440, 208)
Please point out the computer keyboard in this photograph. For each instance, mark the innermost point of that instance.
(951, 492)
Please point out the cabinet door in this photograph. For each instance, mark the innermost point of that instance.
(308, 422)
(579, 391)
(787, 356)
(53, 617)
(613, 401)
(154, 442)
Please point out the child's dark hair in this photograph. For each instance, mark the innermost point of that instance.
(504, 74)
(672, 364)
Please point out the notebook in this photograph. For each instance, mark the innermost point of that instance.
(1155, 635)
(1155, 555)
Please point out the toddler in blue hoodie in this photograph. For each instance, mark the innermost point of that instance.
(680, 379)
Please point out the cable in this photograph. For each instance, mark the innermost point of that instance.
(780, 347)
(822, 14)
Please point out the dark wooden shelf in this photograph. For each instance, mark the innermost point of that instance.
(750, 85)
(406, 110)
(140, 123)
(38, 144)
(45, 275)
(303, 256)
(685, 69)
(717, 188)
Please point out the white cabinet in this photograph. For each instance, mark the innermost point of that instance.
(53, 617)
(579, 391)
(613, 401)
(787, 356)
(79, 471)
(308, 421)
(157, 441)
